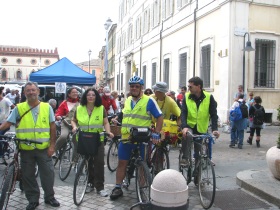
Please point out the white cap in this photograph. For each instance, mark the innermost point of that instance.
(169, 189)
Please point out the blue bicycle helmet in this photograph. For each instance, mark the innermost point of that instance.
(136, 80)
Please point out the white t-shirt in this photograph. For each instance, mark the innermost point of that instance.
(5, 105)
(11, 97)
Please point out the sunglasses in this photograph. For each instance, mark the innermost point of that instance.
(135, 86)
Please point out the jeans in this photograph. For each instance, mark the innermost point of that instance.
(236, 135)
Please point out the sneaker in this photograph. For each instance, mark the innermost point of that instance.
(232, 145)
(89, 188)
(116, 193)
(183, 162)
(213, 164)
(103, 193)
(239, 146)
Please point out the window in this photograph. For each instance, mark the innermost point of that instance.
(265, 63)
(205, 65)
(122, 81)
(144, 77)
(154, 73)
(146, 21)
(138, 27)
(19, 61)
(166, 71)
(129, 35)
(19, 75)
(118, 82)
(4, 74)
(167, 8)
(47, 62)
(182, 69)
(155, 13)
(181, 3)
(4, 60)
(33, 61)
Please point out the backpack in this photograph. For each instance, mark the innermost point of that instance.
(258, 117)
(244, 109)
(235, 114)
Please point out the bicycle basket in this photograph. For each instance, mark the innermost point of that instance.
(88, 143)
(140, 134)
(116, 130)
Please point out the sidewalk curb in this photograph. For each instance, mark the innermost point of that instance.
(266, 187)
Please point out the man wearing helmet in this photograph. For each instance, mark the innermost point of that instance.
(142, 108)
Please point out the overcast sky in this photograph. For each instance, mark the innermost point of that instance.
(73, 26)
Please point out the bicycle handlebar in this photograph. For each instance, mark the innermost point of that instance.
(205, 135)
(26, 141)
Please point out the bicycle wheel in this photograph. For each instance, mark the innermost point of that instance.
(65, 161)
(7, 186)
(143, 181)
(206, 183)
(160, 160)
(112, 156)
(80, 183)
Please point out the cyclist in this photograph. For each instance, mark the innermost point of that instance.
(167, 105)
(67, 109)
(137, 112)
(197, 107)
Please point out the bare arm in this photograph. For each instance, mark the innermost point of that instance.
(107, 127)
(5, 125)
(159, 124)
(52, 139)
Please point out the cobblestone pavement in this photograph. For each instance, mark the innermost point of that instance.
(229, 195)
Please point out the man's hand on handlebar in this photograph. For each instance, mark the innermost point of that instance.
(216, 134)
(185, 131)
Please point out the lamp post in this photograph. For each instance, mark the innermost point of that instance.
(247, 48)
(89, 52)
(107, 25)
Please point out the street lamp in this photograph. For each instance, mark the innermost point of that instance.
(247, 48)
(89, 52)
(107, 25)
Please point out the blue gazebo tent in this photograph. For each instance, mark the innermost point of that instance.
(63, 71)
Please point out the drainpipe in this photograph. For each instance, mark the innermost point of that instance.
(120, 64)
(160, 57)
(140, 68)
(194, 40)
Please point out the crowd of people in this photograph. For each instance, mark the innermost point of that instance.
(194, 109)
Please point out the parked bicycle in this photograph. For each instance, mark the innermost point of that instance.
(12, 172)
(137, 165)
(81, 178)
(202, 170)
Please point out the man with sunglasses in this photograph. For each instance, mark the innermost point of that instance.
(198, 107)
(137, 112)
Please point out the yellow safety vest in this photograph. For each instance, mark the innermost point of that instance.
(200, 116)
(27, 129)
(136, 117)
(92, 123)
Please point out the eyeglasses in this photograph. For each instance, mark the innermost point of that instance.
(90, 95)
(190, 87)
(149, 93)
(135, 86)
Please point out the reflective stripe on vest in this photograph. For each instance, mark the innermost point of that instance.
(200, 116)
(92, 123)
(136, 117)
(27, 129)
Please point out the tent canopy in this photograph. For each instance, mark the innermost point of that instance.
(63, 71)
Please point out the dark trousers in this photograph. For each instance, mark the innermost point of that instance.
(46, 170)
(96, 169)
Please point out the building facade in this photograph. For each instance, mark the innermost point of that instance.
(174, 40)
(94, 67)
(16, 62)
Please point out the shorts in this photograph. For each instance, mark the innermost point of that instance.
(125, 150)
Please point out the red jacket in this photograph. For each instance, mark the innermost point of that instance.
(108, 101)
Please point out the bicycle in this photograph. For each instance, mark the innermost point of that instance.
(158, 157)
(202, 170)
(81, 178)
(143, 177)
(112, 154)
(12, 172)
